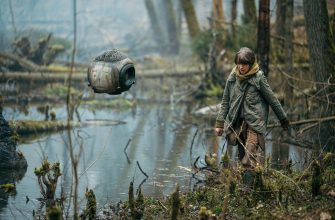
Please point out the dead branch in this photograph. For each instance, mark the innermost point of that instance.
(304, 80)
(307, 121)
(140, 186)
(306, 128)
(209, 169)
(125, 152)
(195, 162)
(138, 164)
(294, 42)
(161, 204)
(195, 134)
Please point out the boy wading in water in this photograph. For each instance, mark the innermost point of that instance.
(244, 109)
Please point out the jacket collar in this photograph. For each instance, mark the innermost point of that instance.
(254, 80)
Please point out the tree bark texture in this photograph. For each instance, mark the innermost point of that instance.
(318, 38)
(250, 14)
(157, 32)
(179, 19)
(172, 27)
(288, 46)
(233, 18)
(322, 59)
(333, 26)
(280, 28)
(280, 16)
(263, 35)
(218, 16)
(191, 18)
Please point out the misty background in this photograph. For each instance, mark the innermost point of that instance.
(101, 24)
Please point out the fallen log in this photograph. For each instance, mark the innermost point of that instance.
(31, 127)
(27, 127)
(26, 64)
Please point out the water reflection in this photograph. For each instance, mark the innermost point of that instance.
(160, 141)
(9, 176)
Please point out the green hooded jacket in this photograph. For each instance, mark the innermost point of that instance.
(255, 105)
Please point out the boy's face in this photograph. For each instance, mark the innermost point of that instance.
(243, 68)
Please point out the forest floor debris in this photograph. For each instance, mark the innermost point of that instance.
(274, 194)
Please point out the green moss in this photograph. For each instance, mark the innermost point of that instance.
(316, 178)
(47, 175)
(139, 205)
(131, 201)
(175, 203)
(58, 68)
(15, 138)
(214, 91)
(53, 116)
(119, 104)
(91, 204)
(329, 159)
(21, 155)
(225, 160)
(9, 187)
(54, 213)
(59, 90)
(276, 195)
(33, 127)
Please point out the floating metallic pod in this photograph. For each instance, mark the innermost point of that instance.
(111, 72)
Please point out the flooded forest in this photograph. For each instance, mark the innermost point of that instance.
(167, 109)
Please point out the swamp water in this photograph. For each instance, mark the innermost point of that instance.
(161, 135)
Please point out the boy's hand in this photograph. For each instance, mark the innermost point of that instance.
(219, 131)
(285, 124)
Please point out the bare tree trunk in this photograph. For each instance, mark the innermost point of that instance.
(157, 32)
(12, 17)
(318, 38)
(218, 16)
(70, 111)
(250, 14)
(288, 47)
(263, 36)
(322, 58)
(280, 28)
(191, 18)
(172, 27)
(179, 17)
(233, 21)
(333, 26)
(280, 16)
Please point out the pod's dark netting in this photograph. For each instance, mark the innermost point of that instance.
(113, 55)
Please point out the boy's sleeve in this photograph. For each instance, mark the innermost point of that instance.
(271, 99)
(224, 107)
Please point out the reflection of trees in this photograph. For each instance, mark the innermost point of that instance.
(280, 152)
(180, 142)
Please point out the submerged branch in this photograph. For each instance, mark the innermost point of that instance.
(125, 150)
(195, 163)
(195, 134)
(138, 164)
